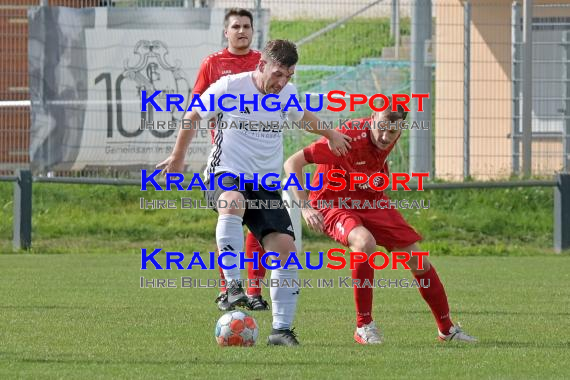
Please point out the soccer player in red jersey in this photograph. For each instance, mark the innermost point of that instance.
(363, 229)
(237, 58)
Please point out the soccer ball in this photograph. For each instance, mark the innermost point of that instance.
(236, 328)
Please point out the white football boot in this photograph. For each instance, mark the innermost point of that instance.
(456, 333)
(368, 334)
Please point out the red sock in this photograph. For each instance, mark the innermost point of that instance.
(363, 295)
(252, 245)
(222, 283)
(434, 295)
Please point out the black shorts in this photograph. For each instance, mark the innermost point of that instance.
(260, 221)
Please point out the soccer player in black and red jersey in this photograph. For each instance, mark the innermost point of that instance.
(363, 229)
(237, 58)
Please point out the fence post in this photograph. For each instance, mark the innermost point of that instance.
(421, 144)
(562, 212)
(395, 27)
(526, 84)
(566, 92)
(23, 210)
(516, 31)
(466, 89)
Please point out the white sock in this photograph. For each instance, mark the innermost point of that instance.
(284, 299)
(229, 237)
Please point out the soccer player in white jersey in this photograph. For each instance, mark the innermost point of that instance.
(248, 150)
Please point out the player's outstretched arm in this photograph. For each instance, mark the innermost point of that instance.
(294, 166)
(338, 143)
(175, 162)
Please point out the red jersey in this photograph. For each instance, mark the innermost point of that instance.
(220, 64)
(223, 63)
(363, 157)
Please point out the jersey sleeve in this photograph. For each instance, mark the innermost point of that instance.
(217, 89)
(295, 114)
(203, 80)
(319, 153)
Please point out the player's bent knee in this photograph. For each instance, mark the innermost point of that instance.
(234, 202)
(414, 262)
(232, 196)
(410, 248)
(361, 240)
(280, 243)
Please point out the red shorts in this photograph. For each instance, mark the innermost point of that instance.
(387, 226)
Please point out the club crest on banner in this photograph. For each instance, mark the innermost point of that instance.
(153, 72)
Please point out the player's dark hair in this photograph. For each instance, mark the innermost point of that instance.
(240, 12)
(396, 115)
(282, 52)
(393, 116)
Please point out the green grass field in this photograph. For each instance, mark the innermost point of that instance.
(73, 308)
(84, 316)
(108, 219)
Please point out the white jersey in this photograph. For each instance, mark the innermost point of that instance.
(241, 144)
